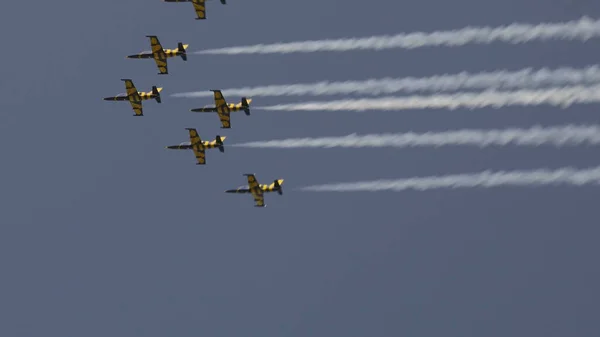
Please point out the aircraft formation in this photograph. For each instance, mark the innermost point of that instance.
(223, 109)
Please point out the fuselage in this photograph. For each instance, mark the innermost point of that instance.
(168, 53)
(271, 187)
(125, 97)
(207, 144)
(225, 108)
(236, 106)
(265, 188)
(180, 147)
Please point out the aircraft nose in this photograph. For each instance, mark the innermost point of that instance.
(132, 56)
(231, 191)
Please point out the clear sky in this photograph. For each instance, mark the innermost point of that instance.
(104, 232)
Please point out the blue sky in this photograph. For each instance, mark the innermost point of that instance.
(106, 232)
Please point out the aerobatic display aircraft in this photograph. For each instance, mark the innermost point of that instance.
(223, 109)
(199, 146)
(258, 190)
(160, 55)
(135, 98)
(199, 7)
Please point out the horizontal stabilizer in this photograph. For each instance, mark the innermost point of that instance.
(181, 49)
(277, 183)
(156, 92)
(246, 106)
(219, 141)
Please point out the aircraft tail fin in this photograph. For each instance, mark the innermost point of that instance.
(246, 106)
(219, 141)
(278, 186)
(181, 48)
(156, 93)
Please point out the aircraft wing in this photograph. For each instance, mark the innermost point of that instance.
(200, 8)
(159, 55)
(197, 146)
(134, 97)
(256, 191)
(225, 119)
(130, 88)
(219, 99)
(161, 63)
(221, 103)
(259, 199)
(137, 107)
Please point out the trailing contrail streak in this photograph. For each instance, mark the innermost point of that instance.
(535, 136)
(502, 79)
(563, 97)
(486, 179)
(583, 29)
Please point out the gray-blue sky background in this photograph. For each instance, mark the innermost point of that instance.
(104, 232)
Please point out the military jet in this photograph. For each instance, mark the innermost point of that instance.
(135, 98)
(199, 7)
(223, 109)
(199, 146)
(160, 55)
(258, 190)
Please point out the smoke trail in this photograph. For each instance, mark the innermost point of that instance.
(486, 179)
(534, 136)
(563, 97)
(583, 29)
(502, 79)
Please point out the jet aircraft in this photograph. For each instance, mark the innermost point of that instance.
(199, 146)
(135, 98)
(223, 109)
(160, 55)
(258, 190)
(199, 7)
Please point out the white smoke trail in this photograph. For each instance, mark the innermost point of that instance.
(486, 179)
(502, 79)
(534, 136)
(583, 29)
(563, 97)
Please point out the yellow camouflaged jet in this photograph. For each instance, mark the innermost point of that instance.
(258, 190)
(199, 7)
(223, 109)
(160, 55)
(199, 146)
(135, 97)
